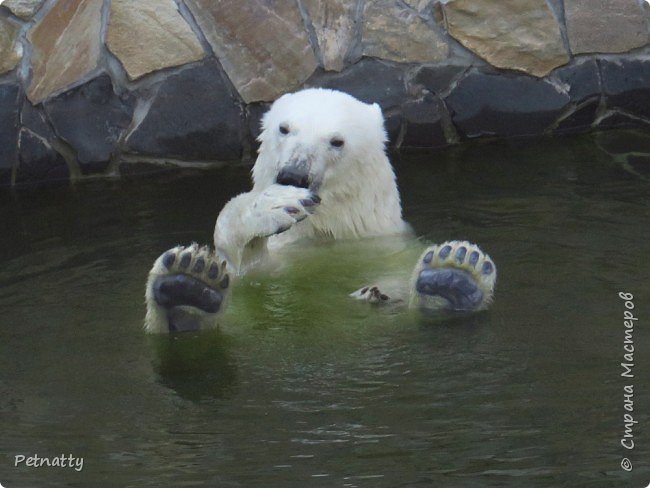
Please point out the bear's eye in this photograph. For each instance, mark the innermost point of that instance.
(284, 129)
(336, 142)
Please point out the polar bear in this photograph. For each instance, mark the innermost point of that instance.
(321, 173)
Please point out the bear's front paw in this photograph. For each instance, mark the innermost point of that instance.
(280, 207)
(371, 294)
(186, 289)
(455, 276)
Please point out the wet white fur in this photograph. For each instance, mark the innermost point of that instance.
(356, 182)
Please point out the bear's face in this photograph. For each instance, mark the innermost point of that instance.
(315, 137)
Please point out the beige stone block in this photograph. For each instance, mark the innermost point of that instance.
(147, 36)
(25, 9)
(397, 33)
(10, 49)
(333, 21)
(605, 26)
(262, 44)
(66, 46)
(514, 34)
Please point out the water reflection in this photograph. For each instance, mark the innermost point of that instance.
(195, 366)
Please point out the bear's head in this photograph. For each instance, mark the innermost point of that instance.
(313, 135)
(333, 144)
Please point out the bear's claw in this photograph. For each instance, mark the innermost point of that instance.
(187, 287)
(454, 275)
(278, 208)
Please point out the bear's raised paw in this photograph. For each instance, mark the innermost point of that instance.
(279, 207)
(186, 289)
(453, 276)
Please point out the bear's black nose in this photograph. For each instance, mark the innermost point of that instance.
(292, 176)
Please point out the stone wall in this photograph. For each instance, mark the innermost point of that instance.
(97, 87)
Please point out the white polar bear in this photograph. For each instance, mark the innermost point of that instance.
(322, 173)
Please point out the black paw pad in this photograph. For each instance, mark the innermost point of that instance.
(454, 285)
(213, 272)
(444, 252)
(168, 259)
(225, 282)
(460, 254)
(199, 265)
(487, 268)
(177, 290)
(186, 258)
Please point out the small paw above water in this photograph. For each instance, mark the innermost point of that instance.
(371, 294)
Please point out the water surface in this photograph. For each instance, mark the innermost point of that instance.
(304, 387)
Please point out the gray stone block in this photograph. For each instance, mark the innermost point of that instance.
(486, 104)
(369, 80)
(91, 118)
(424, 126)
(619, 120)
(582, 80)
(626, 84)
(38, 162)
(437, 79)
(255, 113)
(35, 120)
(193, 117)
(9, 113)
(580, 120)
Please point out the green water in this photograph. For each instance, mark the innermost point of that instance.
(304, 387)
